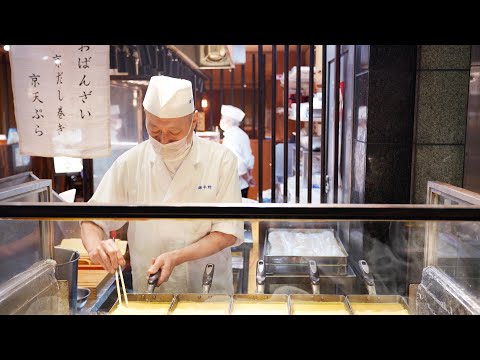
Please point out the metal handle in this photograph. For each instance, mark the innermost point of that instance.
(367, 277)
(207, 278)
(314, 276)
(152, 281)
(261, 276)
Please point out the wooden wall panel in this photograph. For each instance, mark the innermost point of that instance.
(5, 161)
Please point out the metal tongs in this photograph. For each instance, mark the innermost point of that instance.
(207, 278)
(367, 277)
(261, 277)
(314, 276)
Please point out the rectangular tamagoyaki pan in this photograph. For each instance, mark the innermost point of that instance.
(143, 304)
(378, 305)
(200, 304)
(308, 304)
(259, 304)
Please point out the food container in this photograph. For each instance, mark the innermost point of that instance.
(143, 304)
(287, 247)
(200, 304)
(378, 305)
(259, 304)
(303, 304)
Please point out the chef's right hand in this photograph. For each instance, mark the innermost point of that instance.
(166, 262)
(108, 255)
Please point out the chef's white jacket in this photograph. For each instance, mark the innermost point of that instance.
(239, 143)
(208, 174)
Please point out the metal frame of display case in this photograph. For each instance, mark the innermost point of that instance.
(18, 179)
(15, 186)
(435, 190)
(18, 188)
(333, 212)
(439, 280)
(40, 187)
(252, 211)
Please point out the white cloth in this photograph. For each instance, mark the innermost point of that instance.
(238, 142)
(207, 175)
(232, 112)
(168, 97)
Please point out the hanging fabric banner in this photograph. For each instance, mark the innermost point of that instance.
(61, 98)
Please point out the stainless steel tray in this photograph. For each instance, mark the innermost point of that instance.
(351, 299)
(326, 264)
(263, 304)
(199, 303)
(294, 298)
(154, 298)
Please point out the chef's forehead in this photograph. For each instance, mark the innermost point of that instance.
(180, 121)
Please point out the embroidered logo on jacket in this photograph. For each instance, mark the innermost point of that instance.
(204, 187)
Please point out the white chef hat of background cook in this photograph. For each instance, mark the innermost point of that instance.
(232, 112)
(168, 97)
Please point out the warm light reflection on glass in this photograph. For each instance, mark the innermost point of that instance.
(135, 97)
(204, 103)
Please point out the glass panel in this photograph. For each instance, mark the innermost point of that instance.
(19, 247)
(458, 253)
(393, 251)
(124, 119)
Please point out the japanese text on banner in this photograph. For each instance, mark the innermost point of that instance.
(62, 99)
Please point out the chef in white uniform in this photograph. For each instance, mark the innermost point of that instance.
(172, 166)
(238, 142)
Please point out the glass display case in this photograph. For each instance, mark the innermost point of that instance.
(25, 187)
(378, 241)
(23, 244)
(452, 253)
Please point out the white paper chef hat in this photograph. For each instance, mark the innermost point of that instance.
(232, 112)
(168, 97)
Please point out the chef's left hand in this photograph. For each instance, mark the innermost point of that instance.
(166, 262)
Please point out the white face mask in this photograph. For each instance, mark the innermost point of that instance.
(225, 124)
(173, 150)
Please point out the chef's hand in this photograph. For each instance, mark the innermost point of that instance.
(166, 262)
(107, 254)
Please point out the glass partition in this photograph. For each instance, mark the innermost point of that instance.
(20, 246)
(454, 247)
(126, 124)
(375, 251)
